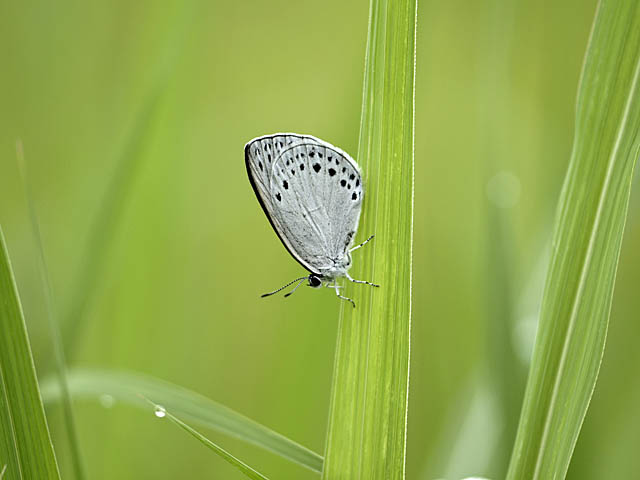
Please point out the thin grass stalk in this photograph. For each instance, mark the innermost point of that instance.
(59, 362)
(127, 387)
(161, 412)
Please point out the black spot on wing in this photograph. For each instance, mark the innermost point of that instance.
(316, 167)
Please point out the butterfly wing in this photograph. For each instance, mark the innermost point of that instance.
(311, 193)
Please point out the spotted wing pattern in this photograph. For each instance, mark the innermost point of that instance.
(311, 192)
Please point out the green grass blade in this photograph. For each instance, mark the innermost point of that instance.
(367, 423)
(54, 327)
(26, 451)
(586, 247)
(162, 412)
(127, 388)
(506, 373)
(106, 221)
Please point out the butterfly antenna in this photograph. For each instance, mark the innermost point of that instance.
(285, 286)
(296, 287)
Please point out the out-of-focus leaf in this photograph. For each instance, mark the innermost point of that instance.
(586, 247)
(127, 387)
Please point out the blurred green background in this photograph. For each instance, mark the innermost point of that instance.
(178, 293)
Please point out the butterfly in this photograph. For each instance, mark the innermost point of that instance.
(312, 194)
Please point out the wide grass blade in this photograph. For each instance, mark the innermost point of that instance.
(367, 423)
(127, 387)
(162, 412)
(586, 247)
(26, 451)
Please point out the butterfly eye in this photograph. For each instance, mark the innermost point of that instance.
(314, 281)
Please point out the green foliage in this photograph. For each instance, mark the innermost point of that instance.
(586, 247)
(158, 253)
(107, 219)
(161, 412)
(368, 416)
(59, 362)
(25, 446)
(127, 387)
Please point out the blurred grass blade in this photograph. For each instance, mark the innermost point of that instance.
(586, 247)
(59, 360)
(25, 445)
(506, 373)
(128, 386)
(162, 412)
(367, 422)
(107, 218)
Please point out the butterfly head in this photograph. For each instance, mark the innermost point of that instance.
(315, 281)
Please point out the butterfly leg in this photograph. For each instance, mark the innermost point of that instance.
(360, 281)
(362, 244)
(337, 287)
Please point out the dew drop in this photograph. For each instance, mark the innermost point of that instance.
(106, 400)
(160, 412)
(503, 190)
